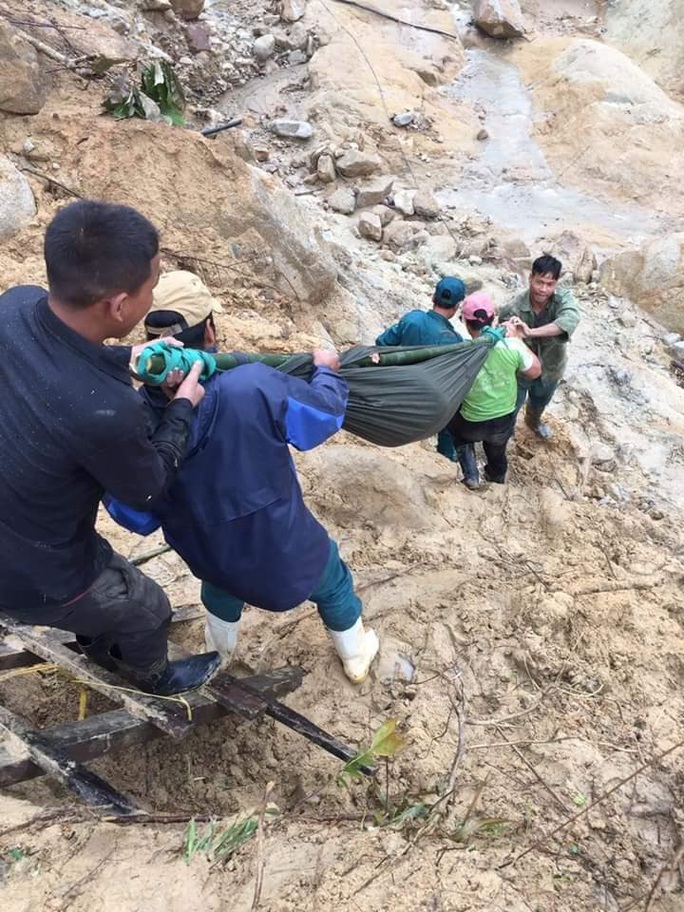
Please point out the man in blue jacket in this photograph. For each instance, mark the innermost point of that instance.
(431, 327)
(235, 512)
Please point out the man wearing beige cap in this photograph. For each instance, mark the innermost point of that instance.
(235, 512)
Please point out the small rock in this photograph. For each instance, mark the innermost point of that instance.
(292, 129)
(343, 200)
(374, 193)
(403, 120)
(677, 350)
(403, 236)
(17, 205)
(388, 255)
(271, 167)
(475, 260)
(294, 38)
(499, 18)
(292, 10)
(295, 58)
(621, 495)
(261, 153)
(187, 9)
(22, 87)
(403, 201)
(264, 47)
(482, 135)
(602, 454)
(370, 226)
(355, 163)
(28, 146)
(384, 213)
(198, 37)
(627, 319)
(656, 514)
(426, 205)
(325, 168)
(671, 339)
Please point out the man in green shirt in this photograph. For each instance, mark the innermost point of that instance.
(488, 412)
(546, 316)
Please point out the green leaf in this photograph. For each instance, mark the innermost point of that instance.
(387, 740)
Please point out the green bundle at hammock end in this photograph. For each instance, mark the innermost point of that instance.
(397, 395)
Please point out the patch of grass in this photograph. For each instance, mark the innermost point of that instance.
(218, 841)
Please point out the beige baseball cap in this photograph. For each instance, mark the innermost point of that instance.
(185, 295)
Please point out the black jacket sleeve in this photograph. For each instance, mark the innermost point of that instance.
(135, 465)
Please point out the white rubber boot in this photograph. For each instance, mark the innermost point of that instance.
(221, 636)
(356, 648)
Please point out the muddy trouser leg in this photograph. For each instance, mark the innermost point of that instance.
(496, 434)
(124, 610)
(540, 394)
(338, 604)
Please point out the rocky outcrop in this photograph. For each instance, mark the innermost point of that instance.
(575, 254)
(652, 277)
(499, 18)
(22, 90)
(17, 206)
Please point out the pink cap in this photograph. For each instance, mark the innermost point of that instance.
(478, 306)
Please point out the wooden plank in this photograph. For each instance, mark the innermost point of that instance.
(116, 730)
(288, 717)
(13, 655)
(167, 715)
(90, 787)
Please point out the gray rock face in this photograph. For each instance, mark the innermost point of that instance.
(499, 18)
(358, 164)
(21, 88)
(370, 226)
(17, 206)
(374, 193)
(292, 129)
(343, 200)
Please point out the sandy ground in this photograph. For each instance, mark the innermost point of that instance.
(544, 620)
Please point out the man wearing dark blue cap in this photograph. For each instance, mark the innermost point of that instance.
(431, 327)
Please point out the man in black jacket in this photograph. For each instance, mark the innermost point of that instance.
(71, 427)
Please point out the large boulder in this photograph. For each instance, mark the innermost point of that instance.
(641, 27)
(605, 125)
(652, 277)
(17, 205)
(499, 18)
(22, 91)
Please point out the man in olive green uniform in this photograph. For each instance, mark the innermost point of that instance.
(546, 316)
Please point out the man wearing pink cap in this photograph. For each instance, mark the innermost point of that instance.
(488, 412)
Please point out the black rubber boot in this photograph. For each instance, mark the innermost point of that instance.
(534, 422)
(466, 458)
(98, 650)
(494, 479)
(170, 678)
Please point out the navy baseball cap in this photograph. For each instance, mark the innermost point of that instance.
(450, 291)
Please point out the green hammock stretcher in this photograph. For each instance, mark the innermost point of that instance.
(396, 395)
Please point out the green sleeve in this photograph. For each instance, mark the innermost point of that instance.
(567, 315)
